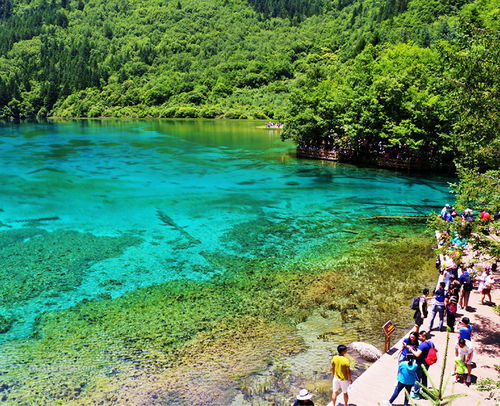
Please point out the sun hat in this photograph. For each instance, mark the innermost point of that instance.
(304, 395)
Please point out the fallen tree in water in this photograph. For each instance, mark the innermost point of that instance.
(394, 217)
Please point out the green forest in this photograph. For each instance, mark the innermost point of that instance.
(418, 73)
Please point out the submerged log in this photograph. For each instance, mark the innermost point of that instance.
(348, 231)
(169, 222)
(41, 219)
(393, 217)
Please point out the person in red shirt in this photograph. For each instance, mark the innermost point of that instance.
(485, 216)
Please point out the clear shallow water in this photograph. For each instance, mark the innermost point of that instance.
(179, 186)
(113, 206)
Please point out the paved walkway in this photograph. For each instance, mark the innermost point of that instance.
(377, 383)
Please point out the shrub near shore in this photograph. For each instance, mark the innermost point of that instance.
(187, 342)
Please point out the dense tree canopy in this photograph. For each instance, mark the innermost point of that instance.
(385, 94)
(422, 74)
(434, 100)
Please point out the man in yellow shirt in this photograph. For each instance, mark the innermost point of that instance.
(341, 372)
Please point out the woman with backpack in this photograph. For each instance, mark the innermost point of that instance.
(419, 304)
(467, 286)
(426, 355)
(451, 311)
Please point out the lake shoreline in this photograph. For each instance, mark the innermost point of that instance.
(214, 244)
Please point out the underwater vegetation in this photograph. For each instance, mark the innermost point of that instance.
(34, 262)
(189, 342)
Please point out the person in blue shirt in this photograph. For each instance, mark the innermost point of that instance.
(444, 211)
(465, 330)
(420, 355)
(412, 341)
(467, 283)
(439, 296)
(407, 376)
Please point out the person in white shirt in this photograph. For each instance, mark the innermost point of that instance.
(444, 210)
(465, 350)
(487, 282)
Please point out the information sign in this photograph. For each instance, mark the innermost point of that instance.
(389, 328)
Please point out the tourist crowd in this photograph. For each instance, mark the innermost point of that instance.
(449, 301)
(272, 124)
(450, 214)
(456, 282)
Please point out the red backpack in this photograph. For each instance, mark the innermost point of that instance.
(431, 356)
(452, 307)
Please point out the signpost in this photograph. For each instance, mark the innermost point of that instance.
(388, 328)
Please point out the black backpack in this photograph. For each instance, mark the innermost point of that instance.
(468, 284)
(415, 302)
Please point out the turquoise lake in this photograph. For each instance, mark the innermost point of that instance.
(170, 194)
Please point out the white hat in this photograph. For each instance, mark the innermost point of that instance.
(304, 395)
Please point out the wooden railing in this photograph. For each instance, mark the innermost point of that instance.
(399, 163)
(317, 154)
(320, 153)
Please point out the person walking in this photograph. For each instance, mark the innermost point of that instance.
(341, 371)
(421, 312)
(439, 306)
(451, 302)
(488, 282)
(407, 376)
(421, 355)
(467, 287)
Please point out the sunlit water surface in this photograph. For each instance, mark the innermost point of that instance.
(176, 189)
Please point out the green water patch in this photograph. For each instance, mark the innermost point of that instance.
(90, 350)
(35, 263)
(188, 342)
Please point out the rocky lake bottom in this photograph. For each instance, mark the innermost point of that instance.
(191, 262)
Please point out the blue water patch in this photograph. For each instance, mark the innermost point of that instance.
(180, 187)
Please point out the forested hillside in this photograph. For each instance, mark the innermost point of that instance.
(423, 73)
(429, 96)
